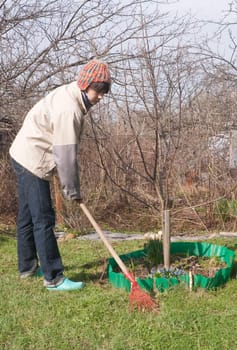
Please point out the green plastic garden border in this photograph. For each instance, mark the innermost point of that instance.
(190, 248)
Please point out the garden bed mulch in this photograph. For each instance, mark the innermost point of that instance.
(209, 264)
(179, 264)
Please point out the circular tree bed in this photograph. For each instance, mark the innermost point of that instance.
(208, 265)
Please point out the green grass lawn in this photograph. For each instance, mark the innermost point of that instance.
(98, 316)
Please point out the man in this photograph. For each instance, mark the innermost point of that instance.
(48, 140)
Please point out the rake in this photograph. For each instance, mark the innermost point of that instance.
(138, 299)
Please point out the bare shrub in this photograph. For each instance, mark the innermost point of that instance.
(8, 200)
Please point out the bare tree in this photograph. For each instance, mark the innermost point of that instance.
(142, 140)
(43, 43)
(164, 92)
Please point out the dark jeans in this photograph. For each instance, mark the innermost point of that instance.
(35, 226)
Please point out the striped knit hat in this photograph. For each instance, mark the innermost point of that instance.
(93, 72)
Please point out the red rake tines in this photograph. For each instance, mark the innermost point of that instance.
(139, 299)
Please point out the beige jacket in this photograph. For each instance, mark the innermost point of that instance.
(50, 135)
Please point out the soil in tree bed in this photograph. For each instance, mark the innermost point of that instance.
(209, 264)
(179, 264)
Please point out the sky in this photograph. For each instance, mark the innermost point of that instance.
(202, 9)
(206, 10)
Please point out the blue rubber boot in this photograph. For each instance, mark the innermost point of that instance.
(67, 285)
(39, 272)
(36, 272)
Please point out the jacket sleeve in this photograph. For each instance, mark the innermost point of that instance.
(66, 130)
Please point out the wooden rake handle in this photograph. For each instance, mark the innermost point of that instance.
(120, 263)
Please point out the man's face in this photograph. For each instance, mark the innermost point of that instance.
(94, 96)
